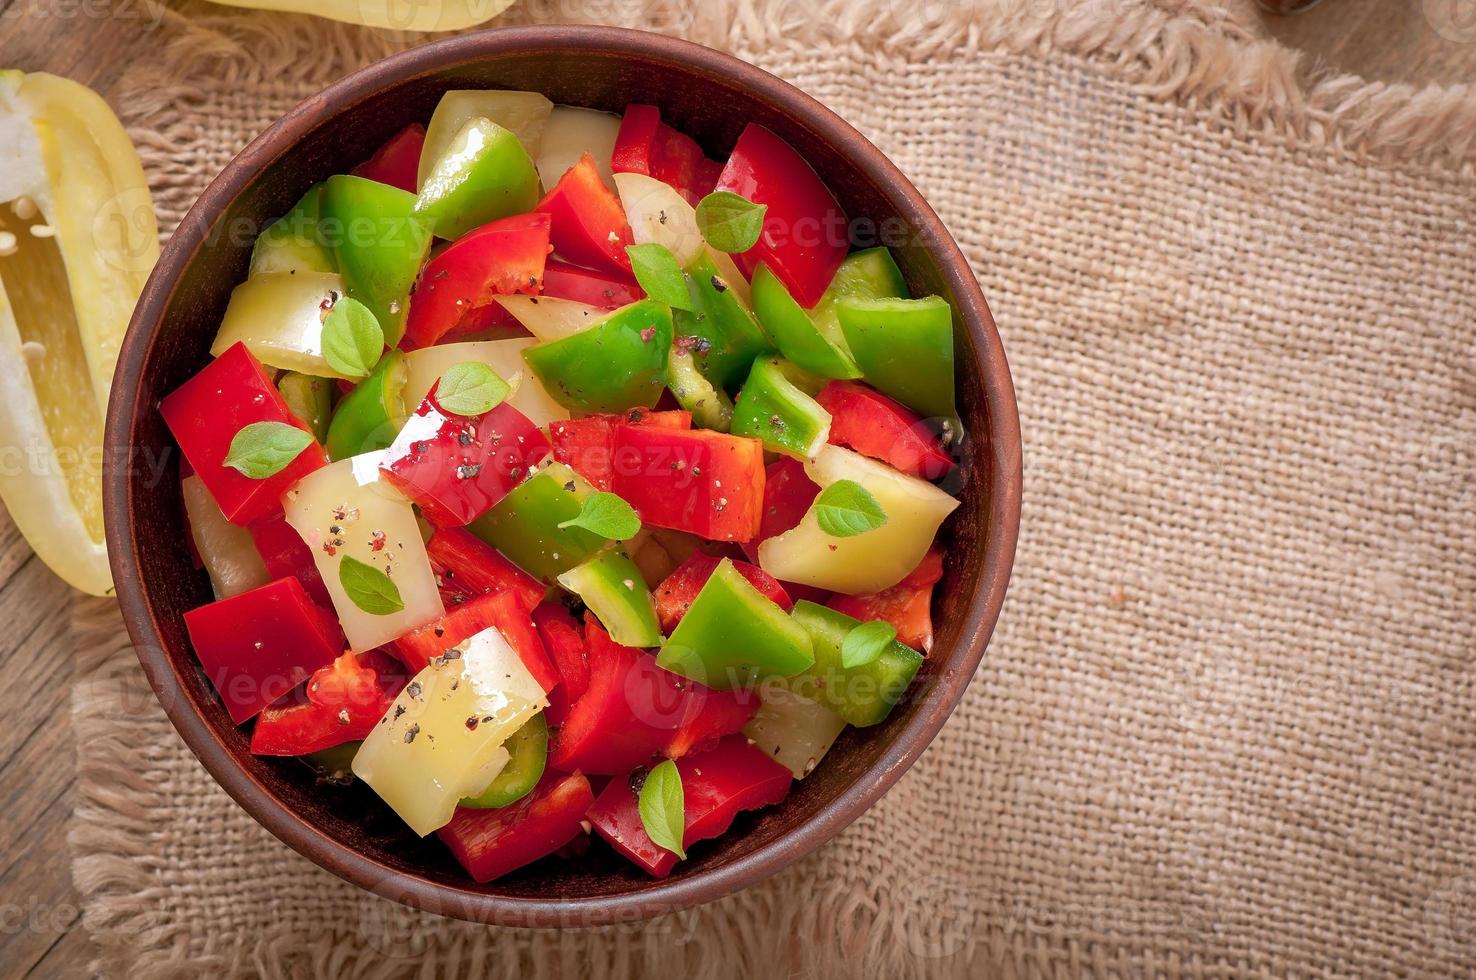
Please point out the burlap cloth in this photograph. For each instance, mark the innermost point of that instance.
(1226, 725)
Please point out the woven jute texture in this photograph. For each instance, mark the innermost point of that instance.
(1226, 725)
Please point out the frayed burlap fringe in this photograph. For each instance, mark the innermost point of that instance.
(1197, 51)
(1202, 58)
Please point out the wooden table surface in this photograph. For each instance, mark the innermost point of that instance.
(40, 929)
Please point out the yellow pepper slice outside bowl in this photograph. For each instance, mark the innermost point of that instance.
(400, 15)
(78, 238)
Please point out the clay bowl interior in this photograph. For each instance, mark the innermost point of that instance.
(701, 92)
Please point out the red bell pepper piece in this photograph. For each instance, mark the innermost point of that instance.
(259, 645)
(634, 710)
(908, 605)
(788, 494)
(636, 142)
(285, 554)
(648, 146)
(707, 483)
(206, 412)
(467, 567)
(497, 259)
(722, 713)
(340, 703)
(680, 163)
(398, 162)
(587, 445)
(674, 596)
(563, 641)
(588, 222)
(490, 843)
(598, 289)
(458, 468)
(806, 234)
(501, 611)
(625, 717)
(717, 785)
(876, 426)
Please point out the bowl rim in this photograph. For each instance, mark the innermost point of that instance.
(980, 614)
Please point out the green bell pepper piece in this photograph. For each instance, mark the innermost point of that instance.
(485, 174)
(528, 748)
(872, 274)
(615, 591)
(379, 243)
(618, 363)
(711, 407)
(728, 337)
(524, 525)
(795, 333)
(904, 348)
(310, 398)
(733, 635)
(294, 242)
(861, 695)
(370, 416)
(777, 408)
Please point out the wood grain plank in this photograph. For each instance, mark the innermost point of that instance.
(42, 908)
(37, 774)
(70, 957)
(14, 552)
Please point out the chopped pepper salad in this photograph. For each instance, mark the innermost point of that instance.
(565, 486)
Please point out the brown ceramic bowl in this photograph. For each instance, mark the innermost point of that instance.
(704, 93)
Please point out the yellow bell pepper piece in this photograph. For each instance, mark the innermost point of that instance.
(868, 562)
(443, 739)
(279, 316)
(424, 368)
(77, 241)
(399, 15)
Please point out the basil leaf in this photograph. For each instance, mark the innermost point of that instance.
(471, 388)
(846, 509)
(730, 222)
(352, 338)
(663, 808)
(264, 449)
(606, 515)
(369, 588)
(657, 271)
(867, 642)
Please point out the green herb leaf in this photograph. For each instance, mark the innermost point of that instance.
(867, 642)
(663, 808)
(471, 388)
(730, 222)
(846, 509)
(369, 588)
(352, 338)
(657, 271)
(264, 449)
(606, 515)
